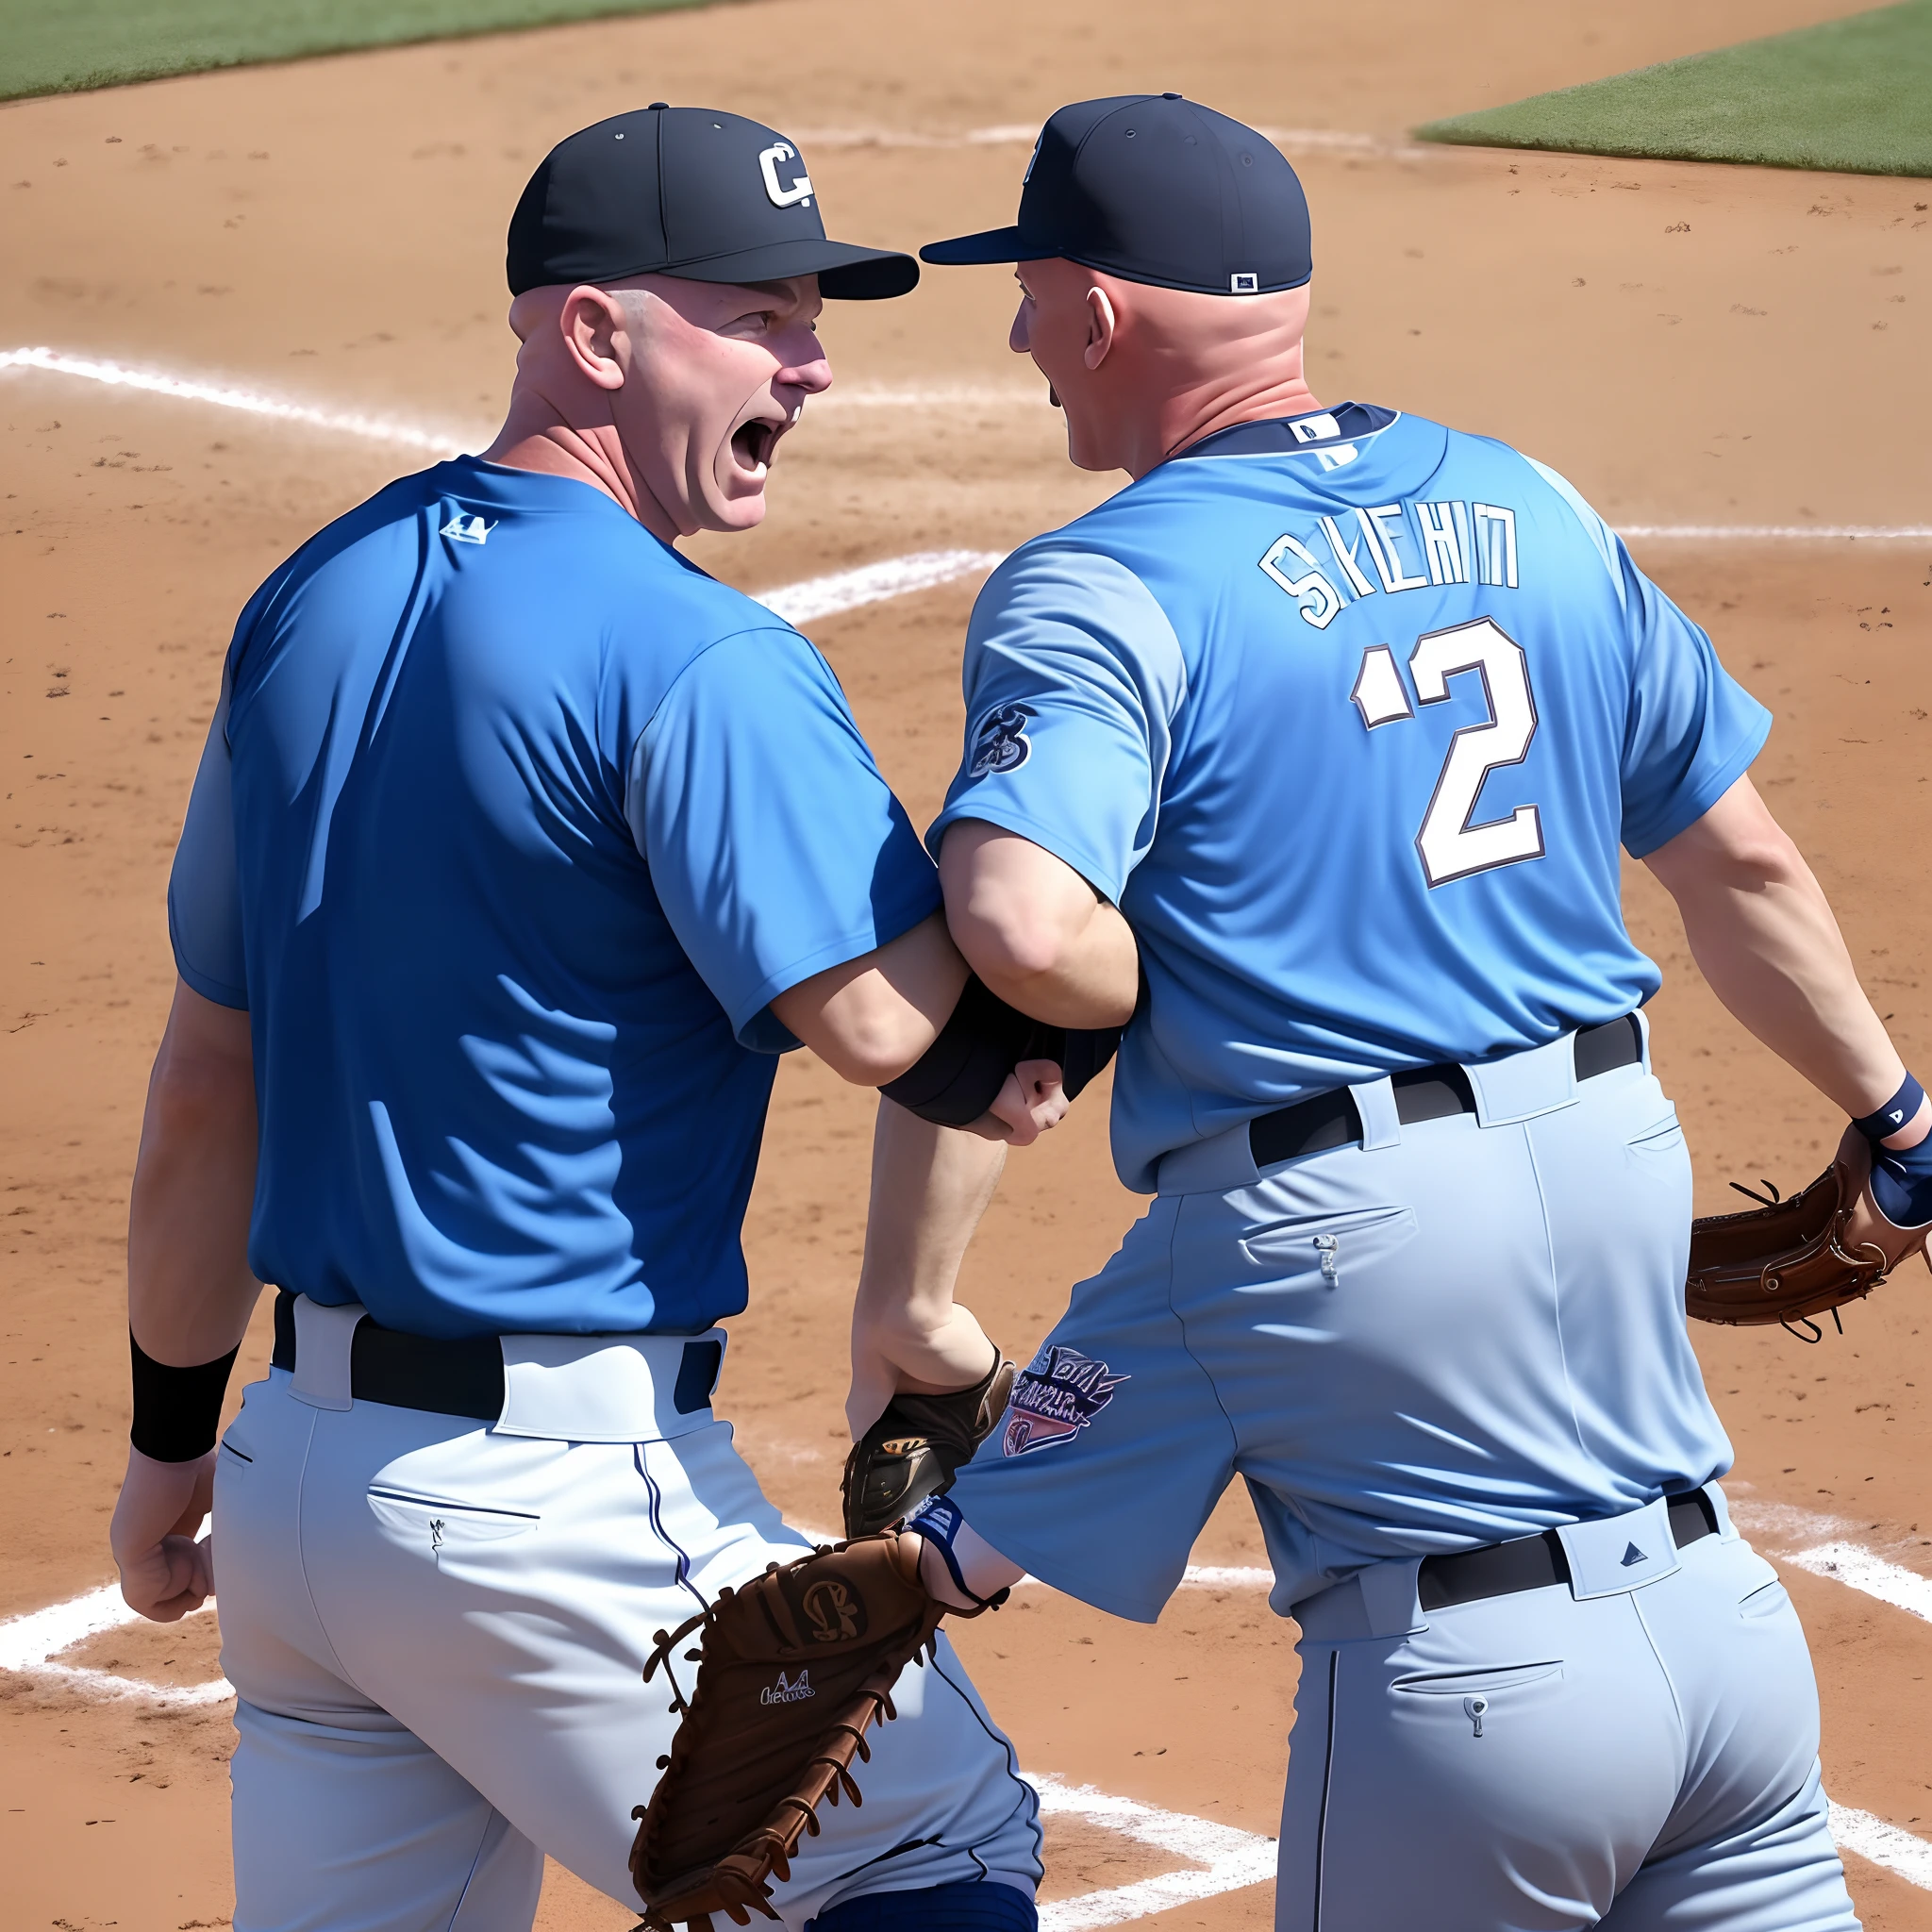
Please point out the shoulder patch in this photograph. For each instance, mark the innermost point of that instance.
(1000, 742)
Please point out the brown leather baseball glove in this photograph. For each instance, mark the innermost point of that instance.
(1784, 1261)
(792, 1668)
(917, 1447)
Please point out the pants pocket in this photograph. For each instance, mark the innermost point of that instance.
(1315, 1250)
(234, 1474)
(1661, 1144)
(1473, 1698)
(1767, 1600)
(442, 1527)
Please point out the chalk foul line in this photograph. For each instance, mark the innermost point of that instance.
(1222, 1859)
(873, 583)
(187, 389)
(32, 1645)
(1880, 1843)
(444, 442)
(1853, 1564)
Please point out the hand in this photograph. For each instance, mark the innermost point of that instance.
(164, 1572)
(1868, 1224)
(922, 1351)
(1030, 1103)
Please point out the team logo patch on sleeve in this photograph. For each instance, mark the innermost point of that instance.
(1054, 1399)
(999, 740)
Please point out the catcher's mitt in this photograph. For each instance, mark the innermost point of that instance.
(1784, 1261)
(791, 1670)
(916, 1447)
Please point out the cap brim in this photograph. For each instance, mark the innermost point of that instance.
(991, 244)
(846, 272)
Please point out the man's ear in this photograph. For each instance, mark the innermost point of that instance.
(591, 320)
(1101, 327)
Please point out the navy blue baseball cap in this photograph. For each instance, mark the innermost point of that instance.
(1153, 188)
(690, 192)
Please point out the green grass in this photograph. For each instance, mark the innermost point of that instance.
(1853, 96)
(58, 46)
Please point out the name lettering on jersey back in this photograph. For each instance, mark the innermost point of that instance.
(1391, 547)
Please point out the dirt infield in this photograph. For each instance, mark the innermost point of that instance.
(1693, 346)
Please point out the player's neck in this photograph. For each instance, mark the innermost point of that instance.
(1258, 396)
(535, 438)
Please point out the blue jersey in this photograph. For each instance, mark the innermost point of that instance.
(1349, 714)
(511, 826)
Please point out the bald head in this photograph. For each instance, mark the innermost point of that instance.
(1141, 371)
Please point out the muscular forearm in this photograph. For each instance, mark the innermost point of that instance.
(1764, 937)
(929, 1187)
(871, 1018)
(1035, 931)
(189, 1288)
(189, 1296)
(1091, 982)
(1774, 954)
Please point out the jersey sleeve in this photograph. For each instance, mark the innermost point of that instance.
(1691, 730)
(1694, 731)
(204, 888)
(1073, 677)
(775, 847)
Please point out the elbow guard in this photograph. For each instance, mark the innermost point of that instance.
(959, 1075)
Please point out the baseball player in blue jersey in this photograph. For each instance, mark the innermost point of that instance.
(1338, 719)
(519, 849)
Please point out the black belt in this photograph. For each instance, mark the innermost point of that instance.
(463, 1376)
(1534, 1562)
(1423, 1093)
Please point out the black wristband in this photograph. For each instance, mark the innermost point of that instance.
(1896, 1113)
(1084, 1052)
(959, 1075)
(177, 1412)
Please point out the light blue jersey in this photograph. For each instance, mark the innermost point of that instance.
(1351, 729)
(1350, 715)
(511, 826)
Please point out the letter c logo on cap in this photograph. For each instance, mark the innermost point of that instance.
(793, 194)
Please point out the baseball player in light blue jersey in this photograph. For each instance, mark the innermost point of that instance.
(1339, 719)
(519, 849)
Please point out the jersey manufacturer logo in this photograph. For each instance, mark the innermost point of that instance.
(834, 1613)
(1057, 1397)
(1632, 1556)
(461, 529)
(796, 1691)
(796, 192)
(1000, 742)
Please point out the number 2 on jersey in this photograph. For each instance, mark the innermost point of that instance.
(1447, 844)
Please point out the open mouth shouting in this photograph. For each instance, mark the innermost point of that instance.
(754, 441)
